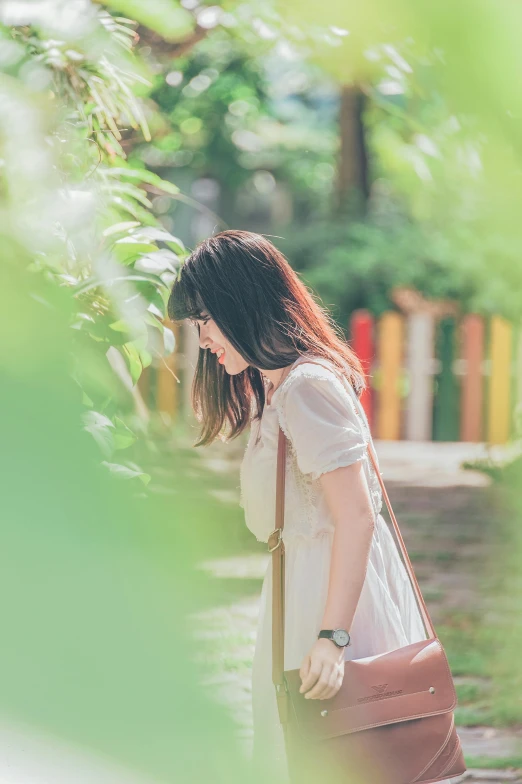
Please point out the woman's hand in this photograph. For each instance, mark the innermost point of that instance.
(322, 670)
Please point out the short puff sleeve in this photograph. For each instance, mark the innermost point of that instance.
(318, 415)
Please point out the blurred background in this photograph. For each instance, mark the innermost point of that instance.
(380, 148)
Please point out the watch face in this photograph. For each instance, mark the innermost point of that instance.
(341, 637)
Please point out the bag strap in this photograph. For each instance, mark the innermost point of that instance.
(277, 548)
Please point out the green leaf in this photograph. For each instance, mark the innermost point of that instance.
(143, 277)
(128, 249)
(123, 435)
(95, 419)
(152, 294)
(146, 357)
(100, 427)
(102, 333)
(81, 320)
(119, 326)
(159, 235)
(120, 227)
(166, 18)
(134, 209)
(158, 261)
(144, 175)
(124, 472)
(86, 400)
(141, 346)
(159, 312)
(169, 340)
(123, 334)
(151, 319)
(130, 190)
(132, 359)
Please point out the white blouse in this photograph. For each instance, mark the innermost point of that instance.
(326, 428)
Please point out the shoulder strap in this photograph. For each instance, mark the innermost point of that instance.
(276, 547)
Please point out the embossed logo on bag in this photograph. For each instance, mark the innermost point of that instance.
(381, 693)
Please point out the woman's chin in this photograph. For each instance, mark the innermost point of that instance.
(233, 369)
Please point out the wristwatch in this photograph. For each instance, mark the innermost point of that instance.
(339, 636)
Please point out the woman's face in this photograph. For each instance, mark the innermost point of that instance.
(212, 339)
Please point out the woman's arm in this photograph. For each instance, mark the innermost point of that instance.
(348, 499)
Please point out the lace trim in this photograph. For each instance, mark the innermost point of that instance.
(340, 461)
(302, 536)
(307, 488)
(306, 491)
(241, 483)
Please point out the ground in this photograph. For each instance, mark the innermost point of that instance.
(449, 518)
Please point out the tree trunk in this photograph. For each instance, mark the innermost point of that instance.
(352, 190)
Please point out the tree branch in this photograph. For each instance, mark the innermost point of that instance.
(169, 49)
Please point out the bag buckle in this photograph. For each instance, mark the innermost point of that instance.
(282, 702)
(271, 547)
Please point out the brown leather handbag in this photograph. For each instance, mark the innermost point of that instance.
(392, 720)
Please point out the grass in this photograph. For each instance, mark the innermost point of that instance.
(227, 651)
(471, 647)
(432, 595)
(468, 716)
(439, 556)
(475, 704)
(493, 763)
(467, 643)
(445, 556)
(468, 692)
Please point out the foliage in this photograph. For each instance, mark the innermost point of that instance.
(442, 126)
(236, 109)
(166, 17)
(356, 265)
(260, 115)
(73, 203)
(99, 584)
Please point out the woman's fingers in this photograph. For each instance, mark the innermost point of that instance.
(322, 671)
(305, 668)
(328, 683)
(312, 676)
(336, 681)
(322, 683)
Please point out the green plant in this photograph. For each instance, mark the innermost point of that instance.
(68, 93)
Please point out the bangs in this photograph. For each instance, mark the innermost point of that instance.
(184, 300)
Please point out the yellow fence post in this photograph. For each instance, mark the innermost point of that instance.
(390, 347)
(499, 387)
(167, 396)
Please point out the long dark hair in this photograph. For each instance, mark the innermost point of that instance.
(259, 303)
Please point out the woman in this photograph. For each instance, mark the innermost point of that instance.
(259, 328)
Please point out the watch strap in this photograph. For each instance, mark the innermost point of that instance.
(328, 634)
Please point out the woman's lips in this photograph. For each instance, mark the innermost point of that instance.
(221, 359)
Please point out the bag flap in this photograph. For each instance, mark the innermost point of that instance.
(407, 683)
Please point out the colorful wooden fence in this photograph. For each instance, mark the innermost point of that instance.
(429, 378)
(442, 379)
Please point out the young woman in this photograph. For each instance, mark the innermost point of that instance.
(259, 327)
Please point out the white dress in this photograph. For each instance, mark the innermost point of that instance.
(317, 412)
